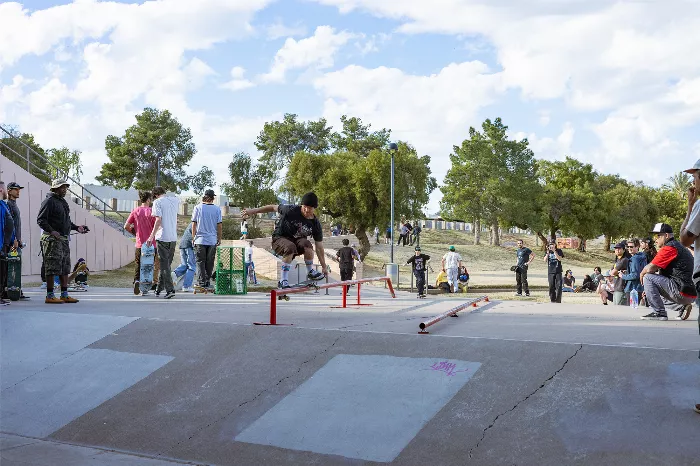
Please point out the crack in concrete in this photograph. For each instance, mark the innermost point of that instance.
(493, 423)
(253, 398)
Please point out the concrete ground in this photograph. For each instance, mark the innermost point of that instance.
(118, 379)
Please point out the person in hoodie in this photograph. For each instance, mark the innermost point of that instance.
(7, 237)
(635, 266)
(54, 220)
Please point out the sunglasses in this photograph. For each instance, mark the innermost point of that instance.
(630, 247)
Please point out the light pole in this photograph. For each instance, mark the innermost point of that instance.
(392, 148)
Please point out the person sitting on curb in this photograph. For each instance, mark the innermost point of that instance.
(668, 280)
(606, 287)
(289, 239)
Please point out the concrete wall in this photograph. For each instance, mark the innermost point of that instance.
(104, 248)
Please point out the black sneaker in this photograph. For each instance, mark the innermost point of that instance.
(654, 316)
(685, 312)
(315, 275)
(527, 294)
(518, 294)
(137, 288)
(169, 295)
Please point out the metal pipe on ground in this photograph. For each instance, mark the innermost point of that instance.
(451, 313)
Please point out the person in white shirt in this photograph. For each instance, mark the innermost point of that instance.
(249, 264)
(206, 232)
(165, 234)
(451, 262)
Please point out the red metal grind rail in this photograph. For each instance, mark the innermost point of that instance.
(274, 294)
(451, 313)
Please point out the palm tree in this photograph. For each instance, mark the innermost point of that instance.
(678, 184)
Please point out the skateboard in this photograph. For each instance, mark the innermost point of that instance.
(305, 284)
(421, 296)
(14, 275)
(203, 290)
(148, 258)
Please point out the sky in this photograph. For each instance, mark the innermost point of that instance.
(614, 84)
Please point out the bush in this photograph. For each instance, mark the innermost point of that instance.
(231, 230)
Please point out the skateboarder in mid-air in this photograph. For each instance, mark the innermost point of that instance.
(295, 224)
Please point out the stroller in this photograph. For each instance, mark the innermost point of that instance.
(463, 279)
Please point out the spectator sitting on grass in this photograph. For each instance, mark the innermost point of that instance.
(569, 282)
(590, 282)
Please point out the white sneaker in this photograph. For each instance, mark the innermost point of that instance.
(43, 285)
(188, 290)
(174, 277)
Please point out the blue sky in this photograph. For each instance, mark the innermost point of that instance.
(607, 83)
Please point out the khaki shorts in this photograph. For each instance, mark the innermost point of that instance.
(56, 255)
(290, 247)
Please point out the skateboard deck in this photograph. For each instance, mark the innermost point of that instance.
(203, 290)
(148, 259)
(305, 284)
(14, 275)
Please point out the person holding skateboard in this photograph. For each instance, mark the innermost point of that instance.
(289, 239)
(54, 220)
(13, 191)
(420, 263)
(140, 222)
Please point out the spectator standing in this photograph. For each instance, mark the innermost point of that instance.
(346, 260)
(636, 264)
(419, 264)
(403, 232)
(207, 225)
(7, 238)
(553, 259)
(387, 235)
(183, 275)
(249, 264)
(619, 269)
(668, 280)
(415, 235)
(54, 220)
(140, 222)
(13, 193)
(690, 232)
(647, 247)
(451, 262)
(244, 227)
(524, 259)
(376, 234)
(164, 233)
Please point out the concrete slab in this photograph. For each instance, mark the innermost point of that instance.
(567, 384)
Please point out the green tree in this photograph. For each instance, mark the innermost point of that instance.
(202, 180)
(492, 178)
(156, 140)
(251, 184)
(357, 138)
(22, 149)
(66, 162)
(279, 141)
(356, 189)
(679, 184)
(671, 204)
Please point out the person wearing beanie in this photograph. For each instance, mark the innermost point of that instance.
(290, 237)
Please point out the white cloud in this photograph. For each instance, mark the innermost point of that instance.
(316, 51)
(278, 30)
(550, 148)
(238, 81)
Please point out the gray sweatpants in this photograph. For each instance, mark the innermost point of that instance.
(662, 292)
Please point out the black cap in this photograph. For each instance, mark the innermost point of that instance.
(13, 185)
(621, 245)
(417, 248)
(310, 200)
(662, 228)
(209, 193)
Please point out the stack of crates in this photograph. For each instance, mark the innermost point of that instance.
(230, 270)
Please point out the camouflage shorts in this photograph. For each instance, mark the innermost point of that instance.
(56, 255)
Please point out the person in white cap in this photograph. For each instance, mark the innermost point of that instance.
(668, 278)
(451, 262)
(690, 232)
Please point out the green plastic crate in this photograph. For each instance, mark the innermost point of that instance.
(230, 270)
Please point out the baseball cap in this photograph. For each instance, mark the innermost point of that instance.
(417, 248)
(13, 185)
(57, 183)
(662, 228)
(209, 193)
(695, 168)
(606, 273)
(621, 245)
(452, 248)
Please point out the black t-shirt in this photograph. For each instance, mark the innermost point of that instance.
(292, 224)
(346, 256)
(620, 265)
(554, 264)
(418, 262)
(523, 256)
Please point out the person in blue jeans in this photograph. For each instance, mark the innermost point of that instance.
(188, 264)
(636, 264)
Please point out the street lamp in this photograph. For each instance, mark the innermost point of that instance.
(392, 270)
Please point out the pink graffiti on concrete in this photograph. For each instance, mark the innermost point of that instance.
(447, 367)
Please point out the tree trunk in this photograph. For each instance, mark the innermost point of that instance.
(543, 239)
(607, 243)
(553, 234)
(365, 246)
(495, 237)
(582, 244)
(477, 231)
